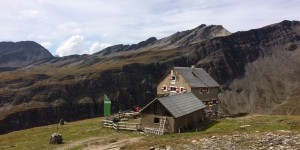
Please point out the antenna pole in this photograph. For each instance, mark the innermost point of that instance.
(57, 113)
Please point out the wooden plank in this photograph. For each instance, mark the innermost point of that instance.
(121, 125)
(131, 129)
(129, 123)
(107, 121)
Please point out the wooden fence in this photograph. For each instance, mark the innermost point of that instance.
(121, 125)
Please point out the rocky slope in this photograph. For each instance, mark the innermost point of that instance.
(258, 71)
(244, 141)
(20, 54)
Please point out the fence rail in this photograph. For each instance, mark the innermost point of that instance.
(121, 125)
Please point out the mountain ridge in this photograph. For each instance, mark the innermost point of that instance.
(196, 35)
(130, 77)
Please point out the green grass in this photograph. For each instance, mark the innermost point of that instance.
(38, 138)
(257, 123)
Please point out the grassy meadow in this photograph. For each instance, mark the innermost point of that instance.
(38, 138)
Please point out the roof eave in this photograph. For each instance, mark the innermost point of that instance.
(205, 86)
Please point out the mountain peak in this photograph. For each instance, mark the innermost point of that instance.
(201, 26)
(288, 22)
(196, 35)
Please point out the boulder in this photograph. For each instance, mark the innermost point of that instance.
(56, 138)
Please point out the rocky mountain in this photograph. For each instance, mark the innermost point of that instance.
(258, 70)
(21, 54)
(121, 47)
(179, 39)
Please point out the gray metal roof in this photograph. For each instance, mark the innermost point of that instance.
(197, 77)
(181, 104)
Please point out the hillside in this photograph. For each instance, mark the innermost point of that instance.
(258, 70)
(250, 132)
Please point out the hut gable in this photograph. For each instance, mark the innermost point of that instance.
(156, 108)
(185, 80)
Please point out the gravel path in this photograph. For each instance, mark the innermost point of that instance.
(281, 140)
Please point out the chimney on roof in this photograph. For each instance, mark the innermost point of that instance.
(193, 70)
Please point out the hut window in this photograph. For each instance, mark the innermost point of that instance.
(173, 88)
(156, 120)
(173, 78)
(203, 90)
(164, 88)
(215, 101)
(182, 90)
(206, 102)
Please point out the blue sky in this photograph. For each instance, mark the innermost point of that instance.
(68, 27)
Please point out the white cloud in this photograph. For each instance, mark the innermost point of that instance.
(74, 45)
(70, 27)
(96, 47)
(46, 45)
(77, 45)
(28, 14)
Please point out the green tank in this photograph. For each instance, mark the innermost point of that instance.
(107, 106)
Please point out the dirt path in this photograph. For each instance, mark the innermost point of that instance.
(100, 143)
(117, 145)
(78, 143)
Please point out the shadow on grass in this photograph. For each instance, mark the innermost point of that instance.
(207, 125)
(201, 126)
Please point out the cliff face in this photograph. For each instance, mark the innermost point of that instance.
(258, 71)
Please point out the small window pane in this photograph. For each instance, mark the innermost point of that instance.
(173, 77)
(173, 88)
(165, 88)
